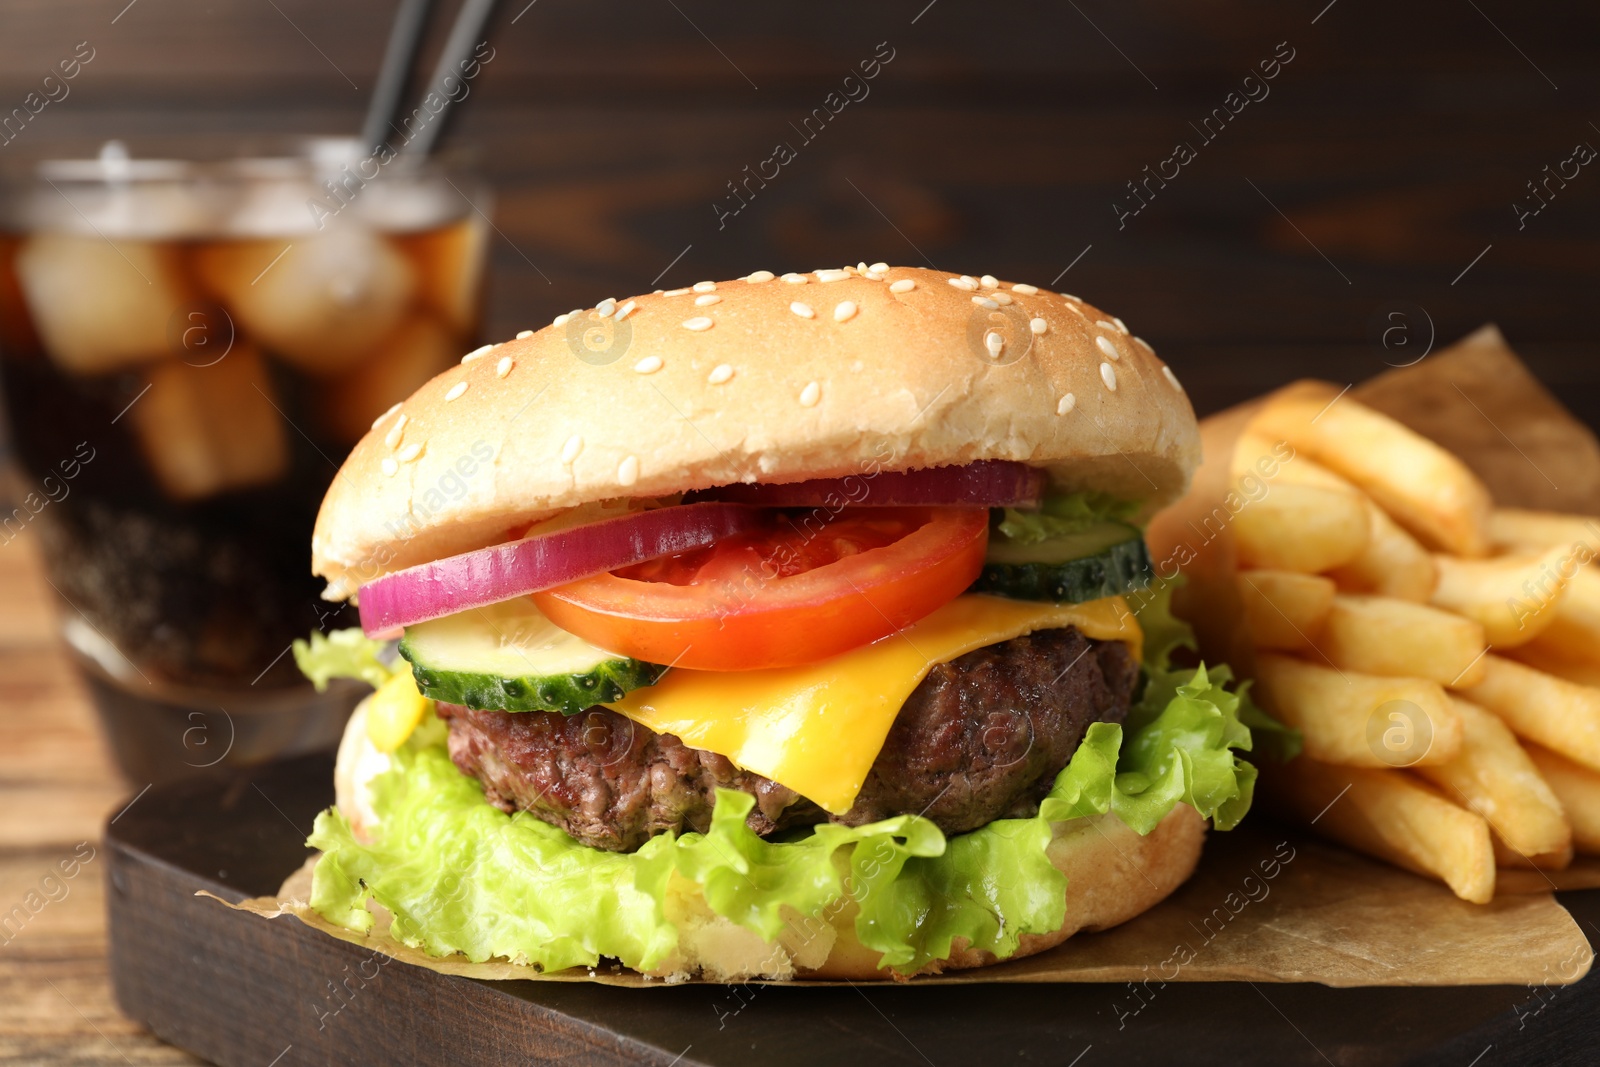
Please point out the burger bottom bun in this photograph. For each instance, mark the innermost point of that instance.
(1113, 874)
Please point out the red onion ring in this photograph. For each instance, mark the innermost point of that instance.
(517, 568)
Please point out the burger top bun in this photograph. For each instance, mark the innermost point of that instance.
(763, 378)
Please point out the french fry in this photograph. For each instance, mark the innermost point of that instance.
(1393, 564)
(1578, 789)
(1425, 488)
(1577, 671)
(1300, 514)
(1279, 463)
(1551, 711)
(1507, 857)
(1393, 816)
(1399, 639)
(1574, 633)
(1514, 597)
(1517, 530)
(1284, 610)
(1494, 777)
(1301, 528)
(1359, 720)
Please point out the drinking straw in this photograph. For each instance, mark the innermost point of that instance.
(465, 36)
(404, 36)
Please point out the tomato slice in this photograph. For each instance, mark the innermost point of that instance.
(797, 590)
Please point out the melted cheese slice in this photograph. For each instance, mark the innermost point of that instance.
(817, 728)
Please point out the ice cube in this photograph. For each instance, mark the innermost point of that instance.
(419, 349)
(100, 305)
(321, 301)
(206, 429)
(449, 264)
(270, 206)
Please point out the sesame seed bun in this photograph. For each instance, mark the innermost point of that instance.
(769, 379)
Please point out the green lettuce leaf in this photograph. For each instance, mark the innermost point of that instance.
(462, 876)
(1063, 514)
(1165, 633)
(341, 654)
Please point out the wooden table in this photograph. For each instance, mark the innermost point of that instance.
(57, 787)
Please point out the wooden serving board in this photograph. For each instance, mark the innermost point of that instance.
(242, 991)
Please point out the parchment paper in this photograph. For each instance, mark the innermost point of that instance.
(1266, 905)
(1269, 904)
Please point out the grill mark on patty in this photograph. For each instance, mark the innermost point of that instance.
(981, 738)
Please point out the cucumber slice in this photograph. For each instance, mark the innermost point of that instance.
(1091, 542)
(509, 657)
(1122, 567)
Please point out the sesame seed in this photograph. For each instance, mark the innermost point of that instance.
(995, 343)
(1173, 378)
(1104, 344)
(969, 281)
(648, 365)
(1142, 343)
(410, 452)
(390, 467)
(1108, 374)
(989, 281)
(456, 391)
(1122, 327)
(606, 307)
(707, 300)
(759, 276)
(810, 395)
(560, 320)
(964, 283)
(697, 324)
(625, 310)
(873, 275)
(523, 335)
(1074, 299)
(570, 450)
(1074, 308)
(862, 266)
(795, 279)
(1104, 325)
(904, 285)
(1025, 289)
(628, 470)
(1066, 404)
(392, 438)
(879, 267)
(845, 311)
(704, 287)
(476, 352)
(985, 302)
(803, 310)
(503, 368)
(832, 275)
(677, 292)
(385, 415)
(1001, 298)
(719, 374)
(1038, 326)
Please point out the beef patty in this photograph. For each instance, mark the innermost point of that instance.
(981, 738)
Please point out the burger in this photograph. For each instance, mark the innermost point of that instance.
(786, 627)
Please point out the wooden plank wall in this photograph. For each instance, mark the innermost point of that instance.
(1386, 154)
